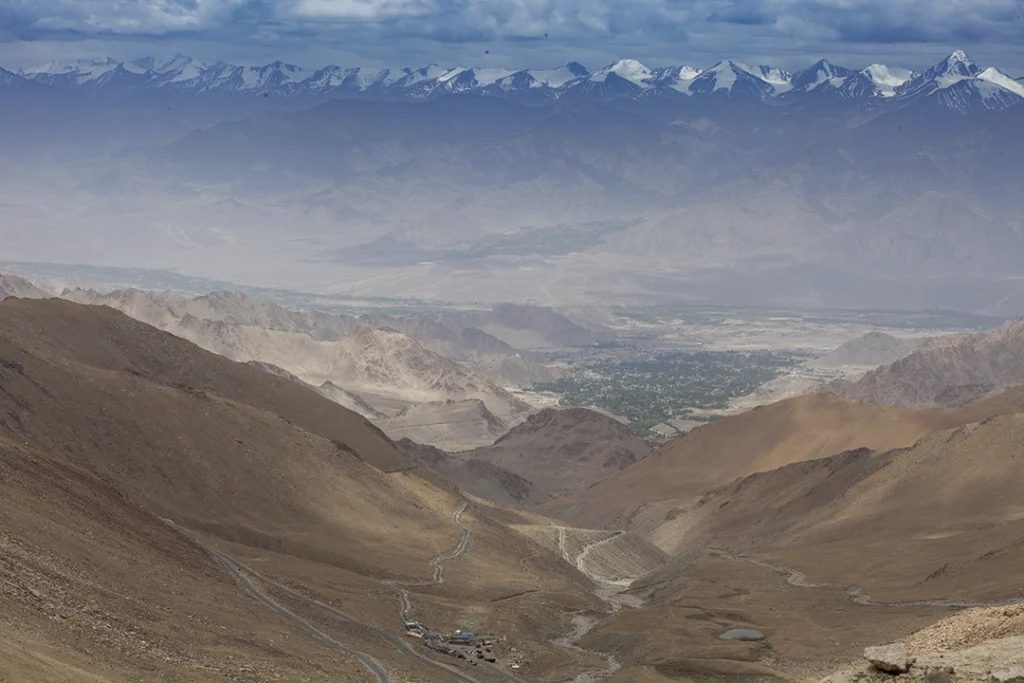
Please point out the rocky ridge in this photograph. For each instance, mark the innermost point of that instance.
(948, 371)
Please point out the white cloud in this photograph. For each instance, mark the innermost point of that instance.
(366, 10)
(125, 16)
(662, 31)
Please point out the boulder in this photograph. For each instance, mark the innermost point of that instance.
(1015, 674)
(891, 659)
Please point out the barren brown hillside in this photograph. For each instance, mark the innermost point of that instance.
(794, 430)
(828, 555)
(951, 504)
(554, 451)
(94, 588)
(280, 478)
(948, 371)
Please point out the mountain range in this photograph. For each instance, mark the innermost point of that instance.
(957, 81)
(167, 510)
(828, 187)
(412, 377)
(947, 371)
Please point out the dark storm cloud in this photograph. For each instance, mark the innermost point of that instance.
(525, 31)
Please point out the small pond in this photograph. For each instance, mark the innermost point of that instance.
(742, 634)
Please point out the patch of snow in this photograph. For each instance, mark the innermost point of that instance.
(454, 73)
(887, 78)
(426, 73)
(948, 79)
(688, 73)
(723, 74)
(250, 78)
(771, 75)
(489, 76)
(189, 72)
(175, 63)
(990, 90)
(556, 78)
(994, 75)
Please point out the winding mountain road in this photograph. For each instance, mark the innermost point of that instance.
(244, 575)
(857, 596)
(405, 606)
(239, 572)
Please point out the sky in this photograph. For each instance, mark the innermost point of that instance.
(516, 33)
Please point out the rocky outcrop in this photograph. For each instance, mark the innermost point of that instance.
(993, 661)
(871, 350)
(947, 371)
(12, 285)
(889, 658)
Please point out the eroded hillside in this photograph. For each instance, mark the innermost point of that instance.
(141, 446)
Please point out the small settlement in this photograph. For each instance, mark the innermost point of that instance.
(461, 644)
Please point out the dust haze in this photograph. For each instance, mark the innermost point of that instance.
(728, 184)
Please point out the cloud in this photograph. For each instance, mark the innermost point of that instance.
(670, 31)
(122, 16)
(358, 10)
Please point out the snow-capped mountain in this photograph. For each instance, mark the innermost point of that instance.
(818, 75)
(956, 82)
(738, 79)
(9, 79)
(950, 71)
(555, 78)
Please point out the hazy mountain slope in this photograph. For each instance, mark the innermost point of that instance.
(651, 494)
(111, 342)
(353, 402)
(479, 477)
(721, 197)
(371, 363)
(452, 425)
(12, 285)
(551, 453)
(93, 587)
(239, 309)
(558, 452)
(272, 472)
(527, 326)
(948, 371)
(386, 370)
(873, 349)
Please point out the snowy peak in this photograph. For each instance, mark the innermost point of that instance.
(822, 73)
(529, 79)
(959, 62)
(959, 84)
(973, 94)
(9, 79)
(946, 73)
(572, 81)
(735, 78)
(627, 69)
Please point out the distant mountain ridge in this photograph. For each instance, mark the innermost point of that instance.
(949, 371)
(957, 80)
(377, 372)
(12, 285)
(871, 349)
